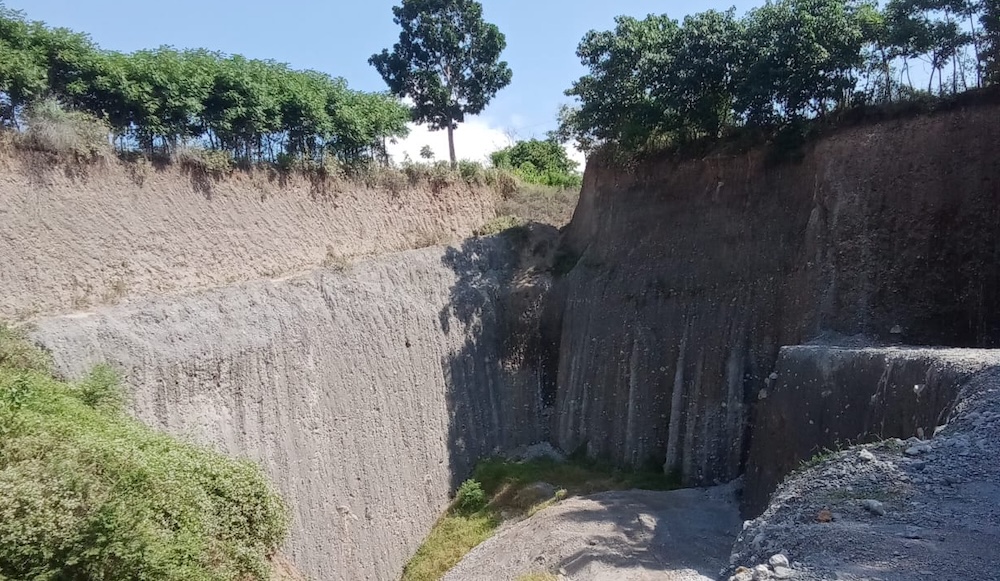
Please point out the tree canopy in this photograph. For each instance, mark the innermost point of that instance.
(447, 61)
(539, 161)
(163, 98)
(659, 80)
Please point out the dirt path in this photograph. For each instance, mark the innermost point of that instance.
(638, 535)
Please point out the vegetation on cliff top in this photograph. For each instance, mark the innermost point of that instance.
(87, 493)
(447, 61)
(656, 81)
(161, 99)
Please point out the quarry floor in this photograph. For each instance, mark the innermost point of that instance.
(636, 535)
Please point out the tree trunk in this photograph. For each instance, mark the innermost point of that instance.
(451, 146)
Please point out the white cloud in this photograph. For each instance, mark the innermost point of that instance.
(475, 140)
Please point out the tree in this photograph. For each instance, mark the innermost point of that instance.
(537, 161)
(990, 48)
(426, 153)
(447, 61)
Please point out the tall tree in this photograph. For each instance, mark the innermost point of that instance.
(990, 48)
(447, 61)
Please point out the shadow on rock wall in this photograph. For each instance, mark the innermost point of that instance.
(496, 380)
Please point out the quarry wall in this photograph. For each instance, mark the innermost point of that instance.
(367, 395)
(686, 277)
(75, 235)
(825, 398)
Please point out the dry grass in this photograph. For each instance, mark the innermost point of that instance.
(542, 204)
(336, 261)
(427, 237)
(538, 577)
(209, 161)
(56, 129)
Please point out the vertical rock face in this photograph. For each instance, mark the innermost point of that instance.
(686, 277)
(366, 395)
(824, 398)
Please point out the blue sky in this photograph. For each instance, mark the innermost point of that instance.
(338, 37)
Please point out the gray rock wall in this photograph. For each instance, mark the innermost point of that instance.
(685, 277)
(366, 395)
(827, 398)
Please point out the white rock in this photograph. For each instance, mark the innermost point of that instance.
(866, 455)
(783, 572)
(778, 560)
(874, 507)
(761, 573)
(744, 575)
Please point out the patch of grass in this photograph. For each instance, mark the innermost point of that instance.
(335, 260)
(472, 519)
(537, 203)
(60, 130)
(213, 162)
(88, 493)
(498, 225)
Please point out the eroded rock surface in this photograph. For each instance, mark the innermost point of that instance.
(900, 510)
(367, 395)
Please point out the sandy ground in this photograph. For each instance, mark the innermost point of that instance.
(637, 535)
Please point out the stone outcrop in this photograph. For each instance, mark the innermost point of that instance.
(825, 398)
(367, 395)
(686, 277)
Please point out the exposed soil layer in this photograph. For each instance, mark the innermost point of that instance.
(75, 235)
(685, 278)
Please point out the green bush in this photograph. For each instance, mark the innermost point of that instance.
(87, 493)
(470, 496)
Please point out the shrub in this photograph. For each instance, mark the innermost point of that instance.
(498, 225)
(211, 161)
(16, 352)
(87, 493)
(470, 496)
(56, 129)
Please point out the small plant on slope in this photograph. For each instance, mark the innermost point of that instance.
(88, 493)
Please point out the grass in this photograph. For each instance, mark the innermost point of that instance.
(88, 493)
(545, 204)
(505, 485)
(56, 129)
(538, 577)
(498, 225)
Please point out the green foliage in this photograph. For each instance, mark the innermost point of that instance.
(165, 99)
(87, 493)
(539, 162)
(102, 390)
(447, 61)
(17, 352)
(470, 496)
(495, 489)
(656, 82)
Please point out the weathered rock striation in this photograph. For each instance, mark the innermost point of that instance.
(74, 236)
(685, 278)
(366, 395)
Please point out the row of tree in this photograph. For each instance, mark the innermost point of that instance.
(163, 98)
(658, 79)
